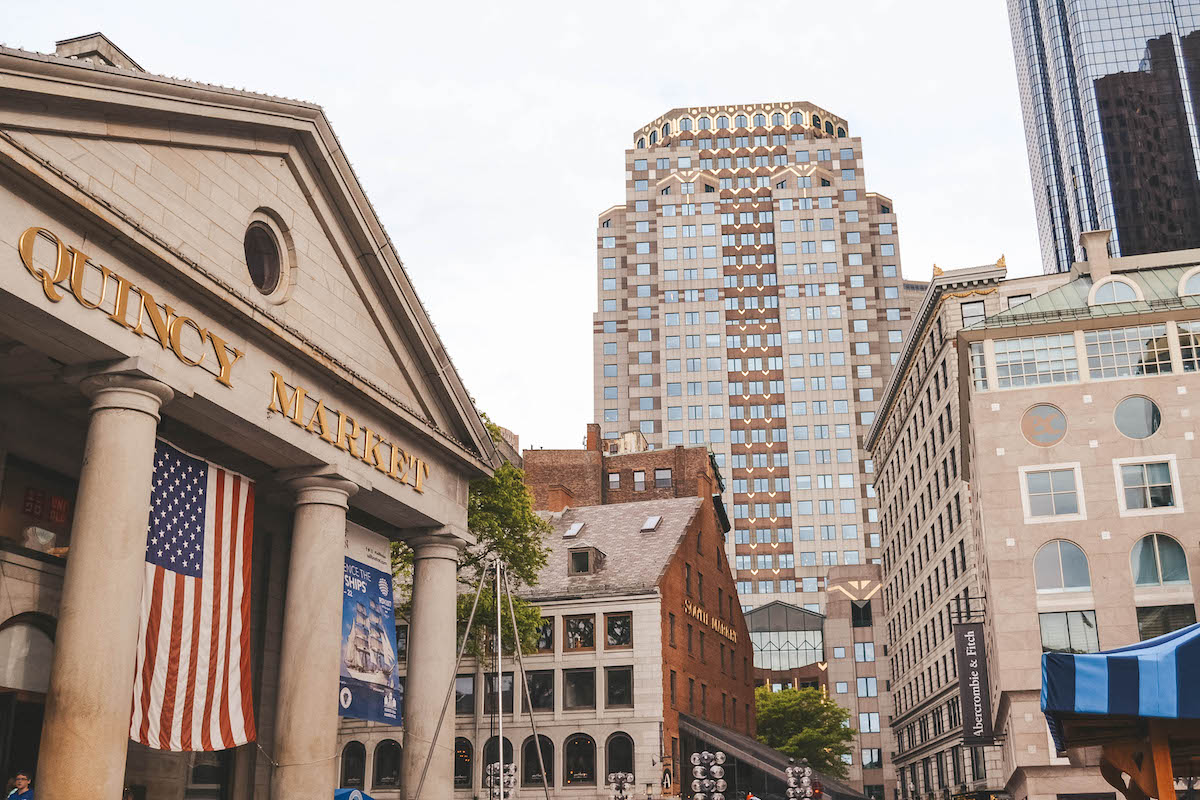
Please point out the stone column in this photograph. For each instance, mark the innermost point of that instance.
(306, 717)
(86, 730)
(431, 653)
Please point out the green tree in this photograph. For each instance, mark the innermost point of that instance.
(500, 515)
(805, 723)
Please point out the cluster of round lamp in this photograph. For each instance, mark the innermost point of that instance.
(708, 776)
(621, 781)
(499, 782)
(800, 783)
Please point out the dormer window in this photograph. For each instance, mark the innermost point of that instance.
(1114, 290)
(584, 561)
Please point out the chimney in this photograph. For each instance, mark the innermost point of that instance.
(558, 497)
(1095, 252)
(593, 437)
(97, 48)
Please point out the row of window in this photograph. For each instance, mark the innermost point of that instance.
(577, 688)
(1155, 560)
(579, 630)
(1076, 631)
(722, 122)
(741, 162)
(1145, 485)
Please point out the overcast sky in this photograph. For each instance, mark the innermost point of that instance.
(489, 136)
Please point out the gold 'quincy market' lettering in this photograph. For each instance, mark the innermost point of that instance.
(718, 625)
(110, 293)
(343, 432)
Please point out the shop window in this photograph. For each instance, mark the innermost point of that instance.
(386, 764)
(579, 761)
(618, 630)
(463, 752)
(618, 754)
(579, 688)
(354, 765)
(531, 766)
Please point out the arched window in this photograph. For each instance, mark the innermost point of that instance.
(777, 118)
(618, 753)
(354, 765)
(739, 121)
(705, 123)
(816, 122)
(685, 124)
(666, 130)
(722, 122)
(1190, 283)
(760, 120)
(491, 755)
(386, 768)
(653, 137)
(841, 133)
(463, 751)
(797, 118)
(828, 127)
(1157, 559)
(1061, 566)
(27, 645)
(1114, 291)
(641, 143)
(531, 768)
(579, 761)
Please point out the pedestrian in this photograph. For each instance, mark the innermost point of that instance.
(23, 790)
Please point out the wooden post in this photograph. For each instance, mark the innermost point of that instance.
(1160, 749)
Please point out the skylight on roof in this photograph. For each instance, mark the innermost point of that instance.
(573, 531)
(651, 523)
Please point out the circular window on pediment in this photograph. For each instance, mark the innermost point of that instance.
(1044, 425)
(263, 257)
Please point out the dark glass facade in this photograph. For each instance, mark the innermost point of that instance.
(1109, 92)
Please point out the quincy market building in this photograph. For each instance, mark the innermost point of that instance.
(198, 264)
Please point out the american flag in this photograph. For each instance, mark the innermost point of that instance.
(192, 687)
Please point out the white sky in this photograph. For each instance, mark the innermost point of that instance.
(489, 136)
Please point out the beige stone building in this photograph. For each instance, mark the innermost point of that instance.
(1034, 452)
(200, 264)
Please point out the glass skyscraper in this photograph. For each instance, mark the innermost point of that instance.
(1109, 98)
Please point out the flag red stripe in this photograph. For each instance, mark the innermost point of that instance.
(189, 698)
(152, 627)
(247, 556)
(235, 530)
(218, 538)
(167, 719)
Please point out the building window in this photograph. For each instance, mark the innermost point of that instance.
(1122, 352)
(463, 751)
(531, 765)
(864, 651)
(1069, 632)
(1137, 417)
(972, 312)
(1114, 290)
(464, 694)
(579, 633)
(872, 758)
(579, 761)
(868, 722)
(489, 693)
(662, 479)
(545, 643)
(1044, 425)
(262, 257)
(386, 771)
(1146, 486)
(1036, 361)
(1158, 559)
(354, 765)
(868, 687)
(614, 480)
(1051, 493)
(579, 688)
(491, 751)
(1158, 620)
(860, 614)
(671, 629)
(1189, 340)
(581, 562)
(639, 481)
(618, 630)
(618, 687)
(540, 696)
(1061, 566)
(978, 366)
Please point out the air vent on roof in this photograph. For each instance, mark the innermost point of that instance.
(651, 524)
(573, 531)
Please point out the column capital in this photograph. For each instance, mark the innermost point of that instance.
(322, 490)
(441, 543)
(124, 391)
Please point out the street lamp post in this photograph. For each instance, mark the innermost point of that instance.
(708, 776)
(621, 781)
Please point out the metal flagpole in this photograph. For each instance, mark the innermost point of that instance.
(525, 686)
(499, 689)
(450, 692)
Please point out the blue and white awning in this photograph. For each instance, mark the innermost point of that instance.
(1158, 678)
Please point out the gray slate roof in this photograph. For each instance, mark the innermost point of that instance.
(633, 561)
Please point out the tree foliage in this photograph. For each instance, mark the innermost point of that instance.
(500, 515)
(805, 723)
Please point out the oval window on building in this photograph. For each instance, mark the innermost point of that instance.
(263, 257)
(1044, 425)
(1137, 417)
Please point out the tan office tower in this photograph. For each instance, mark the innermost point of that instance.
(751, 299)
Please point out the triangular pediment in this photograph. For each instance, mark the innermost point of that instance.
(192, 177)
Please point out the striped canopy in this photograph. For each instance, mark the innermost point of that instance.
(1158, 678)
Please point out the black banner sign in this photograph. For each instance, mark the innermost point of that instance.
(973, 691)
